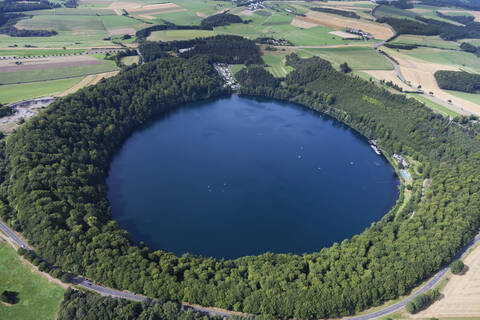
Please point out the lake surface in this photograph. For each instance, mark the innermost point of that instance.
(240, 176)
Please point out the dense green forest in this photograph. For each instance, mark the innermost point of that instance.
(467, 47)
(79, 305)
(459, 19)
(432, 27)
(222, 48)
(256, 76)
(54, 191)
(221, 19)
(458, 80)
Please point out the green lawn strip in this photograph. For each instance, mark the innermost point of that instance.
(40, 52)
(236, 67)
(463, 60)
(472, 97)
(430, 41)
(78, 24)
(67, 39)
(55, 73)
(16, 92)
(73, 12)
(111, 22)
(358, 58)
(39, 298)
(434, 106)
(128, 61)
(170, 35)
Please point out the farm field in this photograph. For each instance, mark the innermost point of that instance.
(460, 295)
(15, 92)
(34, 52)
(170, 35)
(54, 68)
(462, 60)
(358, 58)
(39, 298)
(420, 72)
(473, 97)
(430, 41)
(379, 31)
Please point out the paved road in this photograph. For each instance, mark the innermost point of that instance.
(427, 286)
(13, 236)
(142, 61)
(104, 291)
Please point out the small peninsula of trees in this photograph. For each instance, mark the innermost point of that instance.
(221, 19)
(458, 80)
(10, 297)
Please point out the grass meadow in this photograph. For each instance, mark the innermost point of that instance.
(16, 92)
(39, 298)
(358, 58)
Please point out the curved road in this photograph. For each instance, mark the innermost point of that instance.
(104, 291)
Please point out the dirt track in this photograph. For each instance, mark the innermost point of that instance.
(461, 296)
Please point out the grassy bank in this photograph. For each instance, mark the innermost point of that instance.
(38, 298)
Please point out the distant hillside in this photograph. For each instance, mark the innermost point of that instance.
(467, 4)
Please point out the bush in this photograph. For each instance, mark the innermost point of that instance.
(457, 266)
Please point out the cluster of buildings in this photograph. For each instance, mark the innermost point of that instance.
(224, 71)
(401, 160)
(358, 32)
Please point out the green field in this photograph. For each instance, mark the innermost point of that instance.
(472, 97)
(236, 67)
(430, 41)
(128, 61)
(40, 52)
(39, 299)
(434, 106)
(276, 64)
(16, 92)
(67, 39)
(111, 22)
(73, 12)
(75, 23)
(55, 73)
(170, 35)
(358, 58)
(463, 60)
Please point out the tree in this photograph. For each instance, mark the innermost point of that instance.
(345, 68)
(9, 297)
(457, 266)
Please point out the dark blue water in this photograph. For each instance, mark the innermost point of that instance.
(239, 176)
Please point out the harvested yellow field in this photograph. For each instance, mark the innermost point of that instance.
(163, 7)
(387, 75)
(460, 298)
(379, 31)
(89, 80)
(420, 72)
